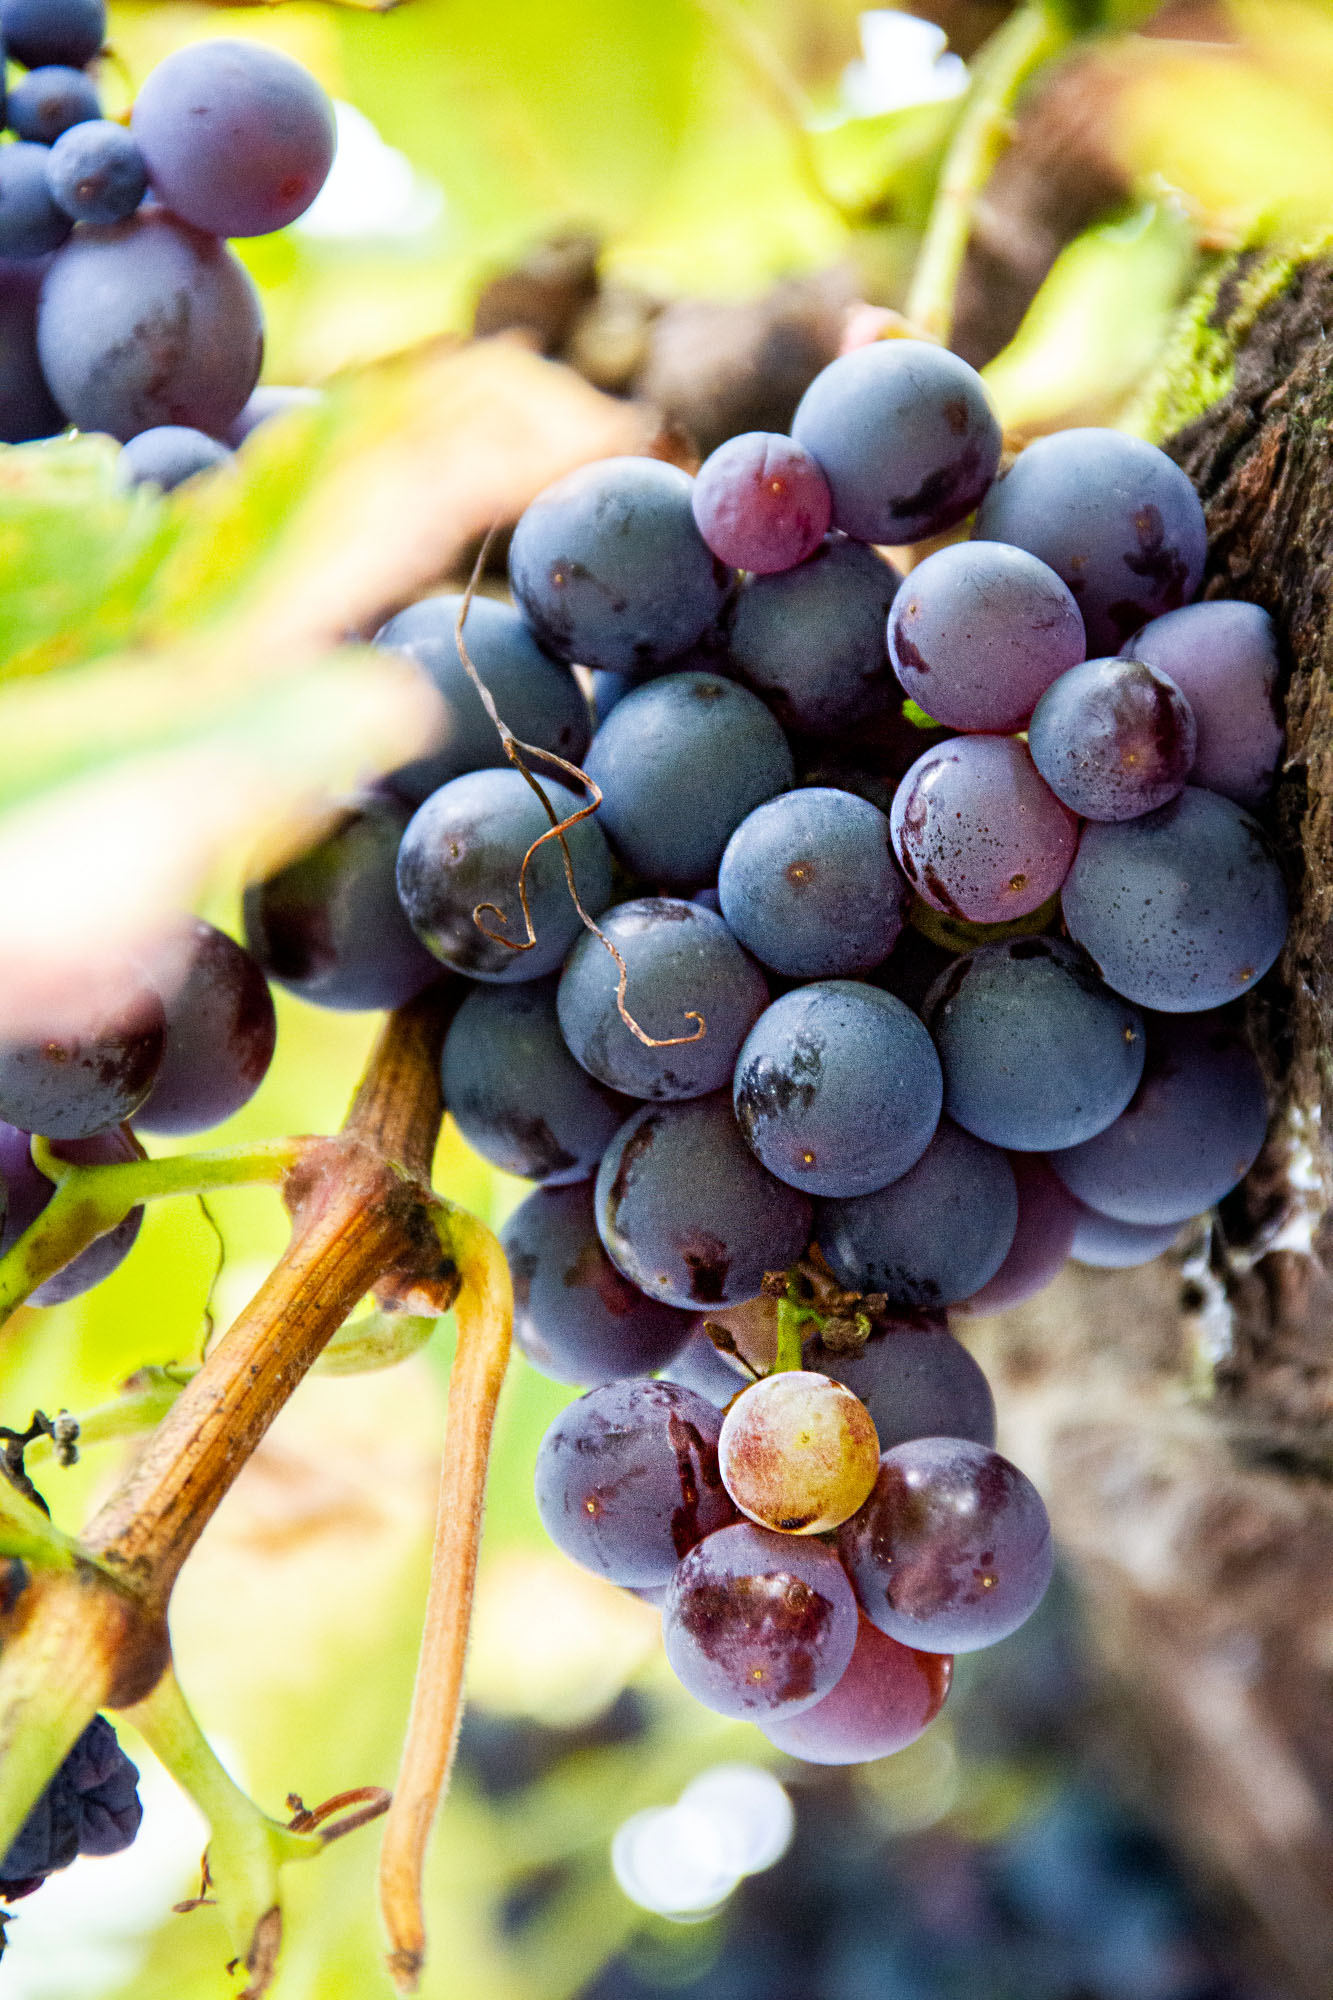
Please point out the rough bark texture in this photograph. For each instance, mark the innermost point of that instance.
(1181, 1418)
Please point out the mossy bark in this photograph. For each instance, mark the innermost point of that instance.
(1181, 1418)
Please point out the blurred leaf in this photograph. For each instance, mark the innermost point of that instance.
(1096, 323)
(888, 165)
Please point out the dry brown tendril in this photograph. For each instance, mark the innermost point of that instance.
(516, 750)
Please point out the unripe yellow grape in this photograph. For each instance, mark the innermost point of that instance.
(798, 1452)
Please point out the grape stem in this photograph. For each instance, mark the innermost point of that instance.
(485, 1320)
(1026, 41)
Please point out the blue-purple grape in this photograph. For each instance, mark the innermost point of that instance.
(50, 100)
(761, 502)
(83, 1078)
(1113, 739)
(905, 435)
(811, 640)
(701, 1367)
(1191, 1133)
(628, 1482)
(978, 832)
(91, 1806)
(979, 631)
(685, 969)
(1036, 1051)
(53, 31)
(30, 222)
(1047, 1221)
(538, 698)
(29, 1191)
(1181, 910)
(576, 1318)
(237, 137)
(1113, 516)
(221, 1031)
(27, 408)
(933, 1236)
(888, 1697)
(610, 570)
(515, 1092)
(148, 322)
(328, 925)
(1223, 657)
(681, 763)
(757, 1624)
(838, 1088)
(687, 1212)
(952, 1551)
(808, 883)
(464, 849)
(167, 456)
(266, 402)
(96, 172)
(1107, 1245)
(916, 1380)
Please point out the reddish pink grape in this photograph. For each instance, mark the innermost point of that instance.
(977, 831)
(757, 1624)
(952, 1550)
(1047, 1218)
(761, 503)
(888, 1696)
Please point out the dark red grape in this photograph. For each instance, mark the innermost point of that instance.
(888, 1696)
(85, 1078)
(761, 503)
(221, 1031)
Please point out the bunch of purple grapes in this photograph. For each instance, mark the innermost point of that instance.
(121, 307)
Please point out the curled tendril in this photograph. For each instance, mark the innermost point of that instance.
(516, 751)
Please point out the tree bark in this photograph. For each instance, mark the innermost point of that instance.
(1180, 1418)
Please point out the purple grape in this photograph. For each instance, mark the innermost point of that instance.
(700, 1366)
(30, 1191)
(167, 456)
(978, 832)
(684, 967)
(1191, 1133)
(91, 1806)
(464, 848)
(1113, 516)
(888, 1697)
(681, 763)
(53, 31)
(1181, 910)
(761, 503)
(838, 1088)
(1047, 1220)
(221, 1032)
(1036, 1051)
(30, 222)
(237, 137)
(538, 698)
(952, 1551)
(328, 926)
(808, 884)
(1108, 1245)
(607, 690)
(575, 1317)
(27, 408)
(916, 1380)
(757, 1624)
(627, 1480)
(1223, 658)
(515, 1092)
(50, 100)
(73, 1082)
(96, 173)
(687, 1212)
(811, 641)
(1113, 739)
(266, 403)
(609, 569)
(906, 436)
(979, 631)
(148, 322)
(936, 1235)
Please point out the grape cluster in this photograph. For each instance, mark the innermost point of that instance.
(908, 1003)
(121, 307)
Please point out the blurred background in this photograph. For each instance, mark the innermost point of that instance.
(681, 205)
